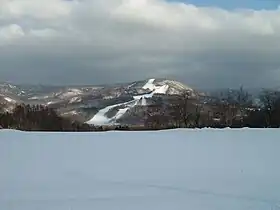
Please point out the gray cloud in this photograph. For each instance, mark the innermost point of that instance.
(95, 42)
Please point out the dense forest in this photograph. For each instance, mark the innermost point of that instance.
(39, 118)
(232, 109)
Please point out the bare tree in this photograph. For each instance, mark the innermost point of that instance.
(156, 117)
(174, 112)
(270, 101)
(197, 115)
(182, 109)
(233, 106)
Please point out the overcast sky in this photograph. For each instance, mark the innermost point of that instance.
(202, 43)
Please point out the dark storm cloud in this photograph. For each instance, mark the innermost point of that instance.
(97, 42)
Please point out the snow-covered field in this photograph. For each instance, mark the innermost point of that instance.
(166, 170)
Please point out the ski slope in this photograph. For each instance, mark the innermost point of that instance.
(162, 89)
(166, 170)
(100, 117)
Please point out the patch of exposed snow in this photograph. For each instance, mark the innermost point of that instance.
(250, 109)
(158, 90)
(10, 100)
(22, 92)
(101, 119)
(39, 97)
(129, 86)
(216, 119)
(149, 85)
(75, 100)
(178, 85)
(144, 102)
(147, 95)
(121, 112)
(70, 93)
(50, 102)
(7, 109)
(73, 112)
(161, 89)
(108, 97)
(12, 86)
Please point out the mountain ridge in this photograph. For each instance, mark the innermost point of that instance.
(87, 103)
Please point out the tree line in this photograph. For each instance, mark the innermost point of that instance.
(234, 108)
(39, 118)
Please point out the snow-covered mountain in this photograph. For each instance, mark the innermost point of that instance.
(99, 105)
(142, 96)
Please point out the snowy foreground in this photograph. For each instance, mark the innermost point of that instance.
(166, 170)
